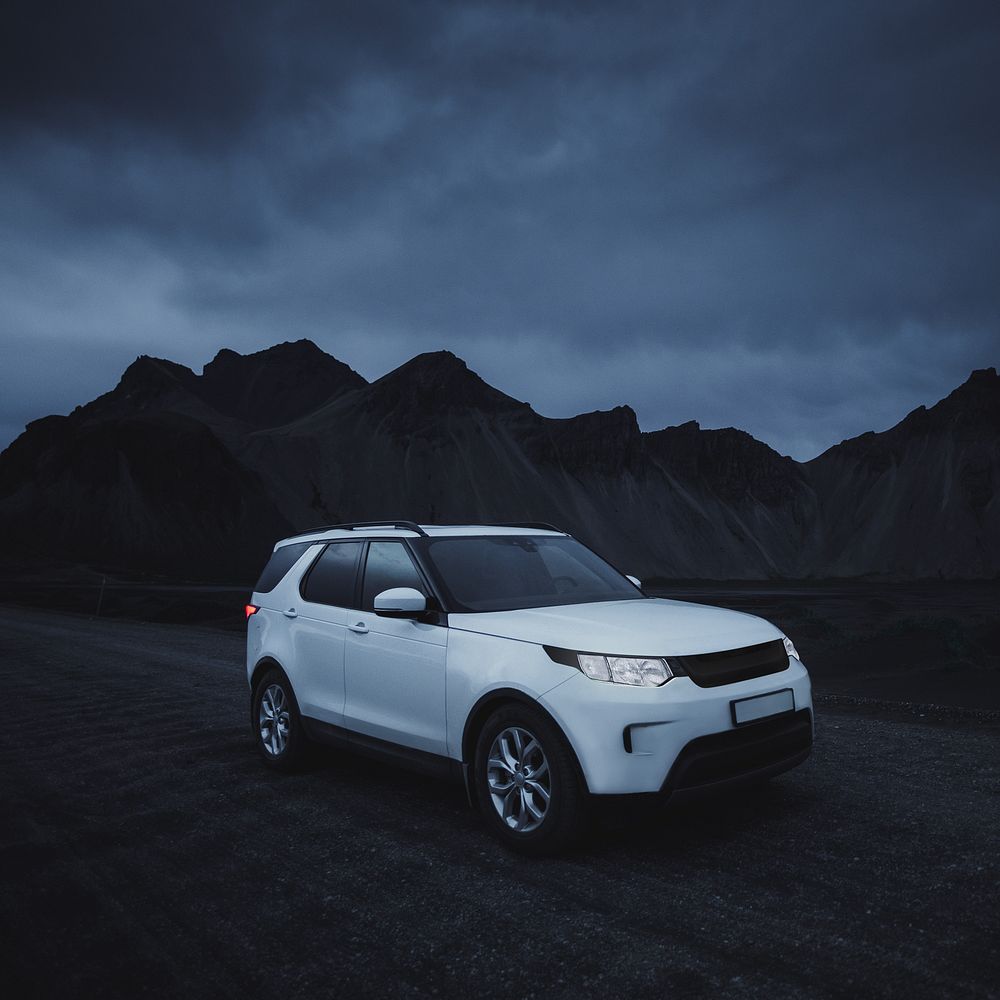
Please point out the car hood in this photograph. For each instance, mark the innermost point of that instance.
(650, 627)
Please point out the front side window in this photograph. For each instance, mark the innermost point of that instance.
(389, 565)
(331, 580)
(505, 572)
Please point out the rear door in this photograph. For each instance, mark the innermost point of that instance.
(395, 667)
(319, 626)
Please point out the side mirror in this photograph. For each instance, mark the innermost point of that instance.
(635, 580)
(400, 602)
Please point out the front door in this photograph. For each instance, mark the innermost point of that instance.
(395, 667)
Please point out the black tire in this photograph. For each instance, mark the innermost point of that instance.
(565, 813)
(293, 747)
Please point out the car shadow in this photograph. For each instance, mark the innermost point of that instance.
(638, 825)
(381, 778)
(719, 817)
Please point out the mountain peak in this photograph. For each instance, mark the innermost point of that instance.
(436, 381)
(147, 383)
(976, 402)
(290, 351)
(276, 385)
(435, 364)
(152, 375)
(982, 383)
(971, 410)
(145, 365)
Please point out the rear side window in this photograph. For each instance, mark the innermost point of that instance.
(331, 580)
(281, 561)
(389, 565)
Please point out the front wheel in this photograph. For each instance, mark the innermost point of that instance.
(275, 721)
(527, 782)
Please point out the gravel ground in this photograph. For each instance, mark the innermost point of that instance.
(145, 851)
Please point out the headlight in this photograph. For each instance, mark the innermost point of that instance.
(790, 648)
(639, 671)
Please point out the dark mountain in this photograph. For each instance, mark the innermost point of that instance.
(153, 491)
(920, 499)
(265, 389)
(197, 475)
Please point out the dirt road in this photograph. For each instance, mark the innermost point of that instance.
(145, 851)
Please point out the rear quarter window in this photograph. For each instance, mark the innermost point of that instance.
(281, 561)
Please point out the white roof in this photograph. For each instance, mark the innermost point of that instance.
(485, 529)
(433, 530)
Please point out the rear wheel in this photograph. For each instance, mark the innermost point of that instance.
(527, 782)
(276, 723)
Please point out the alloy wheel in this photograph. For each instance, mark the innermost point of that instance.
(519, 779)
(273, 719)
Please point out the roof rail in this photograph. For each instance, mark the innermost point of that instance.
(388, 522)
(540, 525)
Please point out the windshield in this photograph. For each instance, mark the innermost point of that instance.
(505, 572)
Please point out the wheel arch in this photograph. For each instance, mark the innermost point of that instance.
(488, 704)
(264, 664)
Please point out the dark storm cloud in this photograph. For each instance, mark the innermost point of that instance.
(780, 216)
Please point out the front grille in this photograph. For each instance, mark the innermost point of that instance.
(740, 752)
(732, 665)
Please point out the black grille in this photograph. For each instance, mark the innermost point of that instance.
(740, 752)
(732, 665)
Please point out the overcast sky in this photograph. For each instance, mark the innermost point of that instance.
(781, 216)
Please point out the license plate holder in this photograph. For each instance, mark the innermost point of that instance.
(762, 706)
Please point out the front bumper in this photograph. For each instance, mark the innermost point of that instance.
(749, 753)
(679, 736)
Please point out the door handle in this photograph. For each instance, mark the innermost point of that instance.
(291, 613)
(358, 627)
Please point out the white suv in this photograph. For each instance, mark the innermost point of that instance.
(514, 658)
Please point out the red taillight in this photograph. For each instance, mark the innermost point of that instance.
(251, 609)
